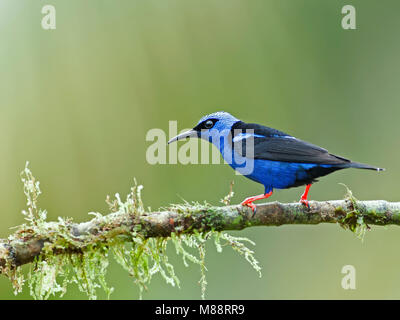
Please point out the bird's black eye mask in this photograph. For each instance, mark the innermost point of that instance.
(205, 125)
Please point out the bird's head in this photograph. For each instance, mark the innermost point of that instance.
(210, 127)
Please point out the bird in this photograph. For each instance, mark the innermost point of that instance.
(278, 160)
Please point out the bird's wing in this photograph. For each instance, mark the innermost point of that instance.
(281, 147)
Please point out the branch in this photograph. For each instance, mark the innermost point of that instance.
(27, 243)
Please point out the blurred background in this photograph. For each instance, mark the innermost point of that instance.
(78, 101)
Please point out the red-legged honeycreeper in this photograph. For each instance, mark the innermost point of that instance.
(277, 160)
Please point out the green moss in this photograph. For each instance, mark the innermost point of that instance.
(237, 220)
(353, 220)
(67, 260)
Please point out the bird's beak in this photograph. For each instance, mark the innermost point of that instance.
(188, 134)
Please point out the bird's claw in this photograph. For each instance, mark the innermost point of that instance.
(305, 202)
(249, 201)
(254, 211)
(250, 205)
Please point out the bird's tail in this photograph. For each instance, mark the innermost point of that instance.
(364, 166)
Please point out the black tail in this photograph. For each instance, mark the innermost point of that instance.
(363, 166)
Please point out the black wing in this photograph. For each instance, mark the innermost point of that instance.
(271, 144)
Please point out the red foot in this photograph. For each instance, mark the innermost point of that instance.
(249, 201)
(303, 198)
(305, 202)
(249, 204)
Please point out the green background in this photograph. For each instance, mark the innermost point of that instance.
(78, 101)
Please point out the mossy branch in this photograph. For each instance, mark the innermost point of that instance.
(138, 239)
(188, 219)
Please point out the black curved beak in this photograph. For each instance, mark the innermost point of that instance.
(188, 134)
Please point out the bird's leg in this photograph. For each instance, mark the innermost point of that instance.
(303, 198)
(249, 201)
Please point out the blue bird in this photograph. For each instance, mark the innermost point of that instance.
(268, 156)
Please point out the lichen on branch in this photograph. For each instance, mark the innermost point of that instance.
(63, 253)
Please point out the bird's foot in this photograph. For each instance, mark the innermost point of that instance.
(305, 202)
(248, 202)
(303, 198)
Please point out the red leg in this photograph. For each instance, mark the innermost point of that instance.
(303, 198)
(249, 201)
